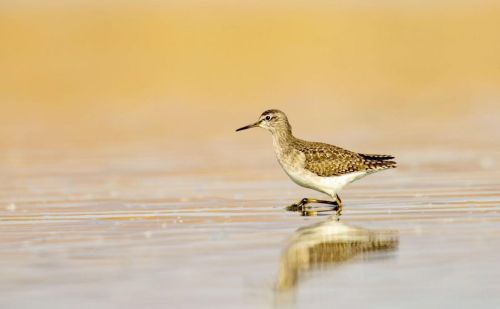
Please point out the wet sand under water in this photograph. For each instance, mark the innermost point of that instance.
(139, 227)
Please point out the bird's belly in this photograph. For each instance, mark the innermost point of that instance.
(302, 177)
(328, 185)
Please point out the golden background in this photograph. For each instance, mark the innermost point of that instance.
(198, 68)
(124, 185)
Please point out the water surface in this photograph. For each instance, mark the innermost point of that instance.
(141, 224)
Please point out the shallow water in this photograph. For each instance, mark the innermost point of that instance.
(123, 183)
(142, 225)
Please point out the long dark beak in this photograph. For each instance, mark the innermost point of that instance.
(249, 126)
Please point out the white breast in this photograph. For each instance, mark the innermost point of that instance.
(329, 185)
(293, 162)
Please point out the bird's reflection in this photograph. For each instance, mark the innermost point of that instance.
(325, 243)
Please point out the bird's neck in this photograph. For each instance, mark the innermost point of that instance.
(282, 140)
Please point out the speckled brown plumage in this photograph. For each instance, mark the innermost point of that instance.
(328, 160)
(318, 166)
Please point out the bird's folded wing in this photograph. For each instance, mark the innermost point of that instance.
(328, 160)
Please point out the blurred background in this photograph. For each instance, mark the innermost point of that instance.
(124, 185)
(105, 71)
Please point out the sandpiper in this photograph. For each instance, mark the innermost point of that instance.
(318, 166)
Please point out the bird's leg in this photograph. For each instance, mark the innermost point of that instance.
(313, 200)
(314, 212)
(301, 205)
(339, 206)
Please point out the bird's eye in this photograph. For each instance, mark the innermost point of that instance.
(268, 118)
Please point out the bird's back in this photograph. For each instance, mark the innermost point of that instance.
(328, 160)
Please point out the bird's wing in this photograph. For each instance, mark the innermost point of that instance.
(327, 160)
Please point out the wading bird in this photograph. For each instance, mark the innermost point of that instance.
(318, 166)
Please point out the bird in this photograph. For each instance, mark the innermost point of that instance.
(318, 166)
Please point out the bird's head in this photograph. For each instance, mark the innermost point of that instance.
(272, 120)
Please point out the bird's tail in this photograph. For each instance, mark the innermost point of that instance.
(378, 162)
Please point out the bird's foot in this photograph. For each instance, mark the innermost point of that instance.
(338, 213)
(300, 206)
(294, 207)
